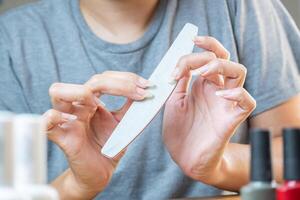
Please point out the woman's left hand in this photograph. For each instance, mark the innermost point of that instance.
(199, 124)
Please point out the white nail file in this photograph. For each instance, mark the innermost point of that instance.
(140, 113)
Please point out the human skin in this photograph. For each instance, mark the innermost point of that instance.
(80, 125)
(79, 114)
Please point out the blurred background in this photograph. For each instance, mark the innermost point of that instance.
(292, 5)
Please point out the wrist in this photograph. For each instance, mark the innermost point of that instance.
(81, 191)
(221, 172)
(215, 176)
(233, 170)
(69, 188)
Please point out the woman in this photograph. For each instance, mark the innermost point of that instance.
(79, 48)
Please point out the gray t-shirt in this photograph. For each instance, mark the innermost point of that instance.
(49, 41)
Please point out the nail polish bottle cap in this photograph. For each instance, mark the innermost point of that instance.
(6, 149)
(30, 150)
(291, 149)
(261, 168)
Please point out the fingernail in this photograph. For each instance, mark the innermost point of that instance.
(141, 91)
(151, 85)
(76, 103)
(229, 56)
(64, 125)
(194, 38)
(145, 83)
(175, 73)
(199, 39)
(99, 102)
(221, 92)
(149, 95)
(202, 70)
(172, 81)
(68, 117)
(222, 82)
(145, 94)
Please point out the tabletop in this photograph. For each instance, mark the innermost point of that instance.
(229, 197)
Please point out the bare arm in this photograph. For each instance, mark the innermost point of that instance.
(80, 124)
(235, 165)
(68, 188)
(205, 153)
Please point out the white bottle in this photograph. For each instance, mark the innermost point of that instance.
(7, 192)
(31, 158)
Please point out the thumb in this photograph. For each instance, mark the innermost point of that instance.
(53, 120)
(180, 90)
(120, 113)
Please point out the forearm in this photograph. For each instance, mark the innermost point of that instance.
(234, 169)
(68, 188)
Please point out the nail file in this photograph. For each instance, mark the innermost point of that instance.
(140, 113)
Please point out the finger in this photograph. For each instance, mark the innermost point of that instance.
(63, 95)
(212, 44)
(217, 80)
(54, 118)
(244, 100)
(129, 76)
(98, 101)
(118, 157)
(120, 113)
(129, 86)
(191, 62)
(228, 69)
(182, 85)
(180, 92)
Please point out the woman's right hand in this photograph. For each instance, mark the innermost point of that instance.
(80, 125)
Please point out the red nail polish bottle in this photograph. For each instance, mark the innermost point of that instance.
(290, 190)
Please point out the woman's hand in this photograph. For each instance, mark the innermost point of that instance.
(199, 124)
(80, 125)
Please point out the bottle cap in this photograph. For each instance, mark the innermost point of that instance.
(30, 150)
(6, 149)
(261, 167)
(291, 149)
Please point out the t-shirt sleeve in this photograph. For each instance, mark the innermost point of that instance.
(11, 95)
(268, 44)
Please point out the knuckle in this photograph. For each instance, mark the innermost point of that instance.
(86, 91)
(226, 54)
(130, 87)
(253, 103)
(243, 69)
(132, 76)
(250, 99)
(211, 55)
(96, 77)
(217, 65)
(125, 87)
(217, 62)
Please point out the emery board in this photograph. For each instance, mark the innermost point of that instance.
(141, 113)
